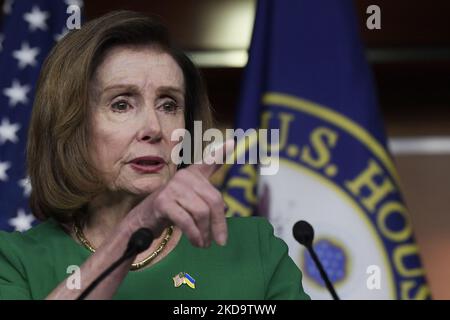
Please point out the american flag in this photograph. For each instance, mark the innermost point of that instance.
(28, 30)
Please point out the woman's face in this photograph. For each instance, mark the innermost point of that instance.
(137, 101)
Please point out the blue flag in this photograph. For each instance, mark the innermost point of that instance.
(28, 31)
(307, 76)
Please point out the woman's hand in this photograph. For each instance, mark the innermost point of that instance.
(189, 201)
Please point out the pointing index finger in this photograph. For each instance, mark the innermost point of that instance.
(214, 159)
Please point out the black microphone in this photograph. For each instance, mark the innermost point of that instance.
(304, 234)
(139, 241)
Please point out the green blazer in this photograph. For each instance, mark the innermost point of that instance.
(253, 265)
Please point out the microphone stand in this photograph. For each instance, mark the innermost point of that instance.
(304, 233)
(322, 272)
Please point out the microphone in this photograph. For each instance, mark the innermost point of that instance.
(139, 241)
(304, 233)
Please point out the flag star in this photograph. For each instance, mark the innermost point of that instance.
(61, 35)
(21, 222)
(36, 19)
(26, 55)
(17, 93)
(7, 6)
(3, 167)
(26, 185)
(8, 131)
(78, 3)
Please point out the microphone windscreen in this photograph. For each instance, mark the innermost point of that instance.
(304, 233)
(141, 239)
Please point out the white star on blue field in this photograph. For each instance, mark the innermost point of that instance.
(28, 31)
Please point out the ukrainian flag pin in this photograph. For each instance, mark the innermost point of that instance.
(183, 277)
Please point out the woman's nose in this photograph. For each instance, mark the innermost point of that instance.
(151, 127)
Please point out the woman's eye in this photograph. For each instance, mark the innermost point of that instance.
(170, 107)
(120, 106)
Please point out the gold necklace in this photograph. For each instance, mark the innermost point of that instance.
(135, 266)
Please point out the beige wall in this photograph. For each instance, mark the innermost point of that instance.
(426, 187)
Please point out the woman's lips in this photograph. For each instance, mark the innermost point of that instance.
(147, 168)
(148, 164)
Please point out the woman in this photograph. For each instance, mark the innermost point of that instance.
(99, 160)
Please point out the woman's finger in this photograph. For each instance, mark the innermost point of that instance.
(200, 213)
(183, 219)
(214, 159)
(214, 200)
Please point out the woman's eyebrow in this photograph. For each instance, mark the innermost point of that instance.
(130, 87)
(170, 89)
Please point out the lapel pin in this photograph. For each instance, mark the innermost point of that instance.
(183, 277)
